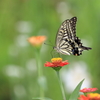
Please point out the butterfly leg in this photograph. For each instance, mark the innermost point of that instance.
(59, 55)
(54, 54)
(51, 52)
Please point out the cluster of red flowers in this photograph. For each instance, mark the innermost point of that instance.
(88, 95)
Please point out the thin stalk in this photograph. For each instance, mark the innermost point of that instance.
(61, 86)
(40, 71)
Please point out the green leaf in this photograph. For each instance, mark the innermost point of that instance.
(75, 93)
(38, 98)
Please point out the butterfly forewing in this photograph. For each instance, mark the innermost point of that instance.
(67, 30)
(72, 27)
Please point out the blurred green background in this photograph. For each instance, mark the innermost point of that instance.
(20, 19)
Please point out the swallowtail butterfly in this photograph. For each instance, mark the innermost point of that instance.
(66, 41)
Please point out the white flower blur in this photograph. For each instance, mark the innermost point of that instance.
(76, 73)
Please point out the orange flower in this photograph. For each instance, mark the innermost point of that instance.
(56, 62)
(88, 90)
(93, 96)
(36, 40)
(83, 97)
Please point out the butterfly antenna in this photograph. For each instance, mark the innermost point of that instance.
(48, 44)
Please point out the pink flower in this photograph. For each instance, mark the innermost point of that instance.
(88, 90)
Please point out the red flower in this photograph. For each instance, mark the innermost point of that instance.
(88, 90)
(90, 96)
(83, 97)
(56, 62)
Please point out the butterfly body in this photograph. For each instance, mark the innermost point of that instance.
(66, 41)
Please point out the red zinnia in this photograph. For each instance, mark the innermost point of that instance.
(56, 62)
(88, 90)
(83, 97)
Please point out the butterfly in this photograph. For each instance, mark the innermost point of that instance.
(66, 41)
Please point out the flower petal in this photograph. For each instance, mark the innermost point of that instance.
(36, 40)
(83, 97)
(56, 62)
(88, 90)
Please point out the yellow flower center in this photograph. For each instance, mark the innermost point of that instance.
(94, 95)
(56, 60)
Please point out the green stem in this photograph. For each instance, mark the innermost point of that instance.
(40, 71)
(61, 86)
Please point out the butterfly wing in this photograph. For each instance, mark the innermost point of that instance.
(65, 35)
(67, 30)
(71, 28)
(66, 41)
